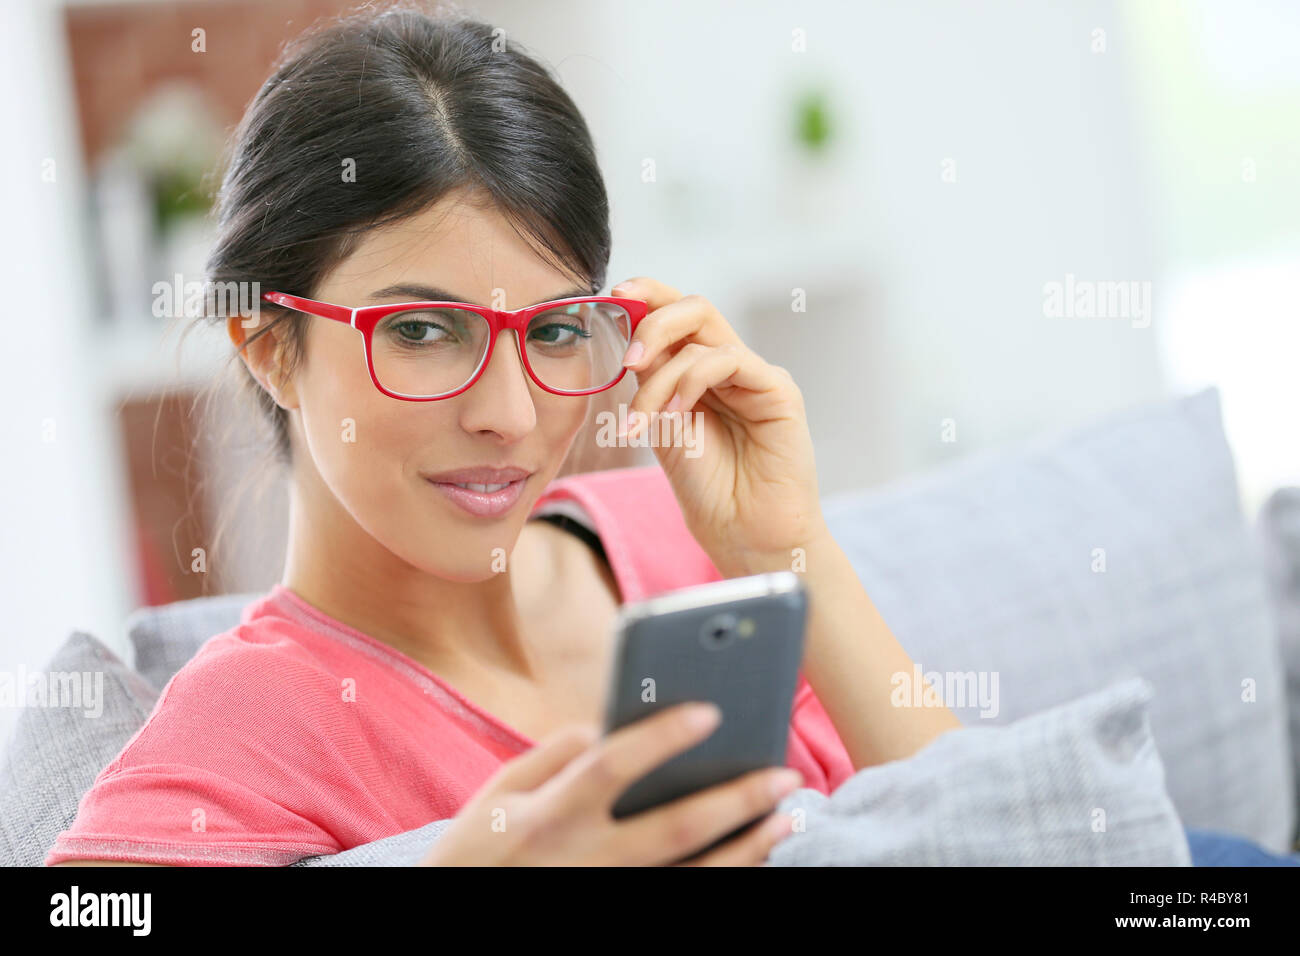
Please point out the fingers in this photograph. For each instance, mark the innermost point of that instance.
(552, 753)
(682, 381)
(691, 318)
(650, 291)
(600, 775)
(751, 848)
(674, 367)
(680, 828)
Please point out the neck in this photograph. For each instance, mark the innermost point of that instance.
(338, 567)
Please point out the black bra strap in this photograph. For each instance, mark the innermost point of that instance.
(568, 524)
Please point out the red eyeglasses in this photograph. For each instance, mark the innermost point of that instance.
(425, 351)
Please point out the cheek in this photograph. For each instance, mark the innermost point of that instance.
(560, 418)
(356, 440)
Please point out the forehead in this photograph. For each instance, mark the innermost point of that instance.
(460, 243)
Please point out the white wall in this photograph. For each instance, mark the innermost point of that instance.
(64, 554)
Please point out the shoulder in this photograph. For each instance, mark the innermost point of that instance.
(259, 678)
(231, 764)
(640, 523)
(644, 484)
(264, 652)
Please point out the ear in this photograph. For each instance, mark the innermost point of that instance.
(266, 357)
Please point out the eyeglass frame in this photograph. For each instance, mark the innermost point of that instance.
(365, 318)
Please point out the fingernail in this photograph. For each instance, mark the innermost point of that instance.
(778, 826)
(673, 405)
(786, 782)
(634, 353)
(705, 716)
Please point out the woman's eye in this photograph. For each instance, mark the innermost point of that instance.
(423, 330)
(418, 331)
(560, 333)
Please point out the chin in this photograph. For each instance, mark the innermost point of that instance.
(466, 555)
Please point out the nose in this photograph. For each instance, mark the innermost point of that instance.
(501, 400)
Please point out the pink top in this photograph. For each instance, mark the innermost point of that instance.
(293, 735)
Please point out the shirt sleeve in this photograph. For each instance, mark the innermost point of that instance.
(225, 772)
(183, 815)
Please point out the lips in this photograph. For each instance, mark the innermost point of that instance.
(483, 492)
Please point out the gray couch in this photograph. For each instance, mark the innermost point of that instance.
(1108, 560)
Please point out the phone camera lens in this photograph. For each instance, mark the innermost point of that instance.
(718, 630)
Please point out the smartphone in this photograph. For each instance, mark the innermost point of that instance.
(737, 643)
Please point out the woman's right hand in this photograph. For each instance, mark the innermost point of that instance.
(553, 805)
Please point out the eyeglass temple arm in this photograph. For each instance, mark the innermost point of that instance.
(324, 309)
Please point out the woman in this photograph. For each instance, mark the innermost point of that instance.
(426, 632)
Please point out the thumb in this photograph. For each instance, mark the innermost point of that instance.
(552, 754)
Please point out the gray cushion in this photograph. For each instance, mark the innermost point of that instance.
(1279, 530)
(55, 753)
(1080, 784)
(987, 567)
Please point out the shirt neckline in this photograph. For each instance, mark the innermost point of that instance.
(293, 605)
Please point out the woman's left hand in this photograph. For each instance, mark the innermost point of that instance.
(748, 486)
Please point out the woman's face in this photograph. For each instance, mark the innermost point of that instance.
(373, 454)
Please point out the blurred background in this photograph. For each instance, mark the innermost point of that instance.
(880, 196)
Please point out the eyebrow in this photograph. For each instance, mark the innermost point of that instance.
(415, 292)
